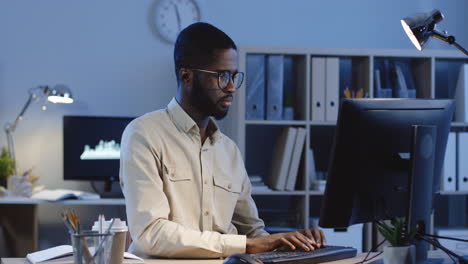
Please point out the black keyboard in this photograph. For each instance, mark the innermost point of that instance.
(329, 253)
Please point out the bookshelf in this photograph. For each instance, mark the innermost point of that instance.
(434, 73)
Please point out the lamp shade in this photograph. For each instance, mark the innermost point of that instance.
(60, 94)
(420, 27)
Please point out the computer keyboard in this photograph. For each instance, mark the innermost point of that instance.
(329, 253)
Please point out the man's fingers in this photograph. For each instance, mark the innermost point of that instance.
(309, 235)
(324, 242)
(319, 237)
(307, 241)
(300, 240)
(289, 244)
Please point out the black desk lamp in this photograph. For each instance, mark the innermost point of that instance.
(422, 26)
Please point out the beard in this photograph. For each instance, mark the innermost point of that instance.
(202, 101)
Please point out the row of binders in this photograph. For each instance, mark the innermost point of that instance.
(286, 158)
(269, 87)
(325, 80)
(455, 171)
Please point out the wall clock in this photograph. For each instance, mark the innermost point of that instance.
(171, 16)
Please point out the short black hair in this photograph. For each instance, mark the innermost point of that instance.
(196, 44)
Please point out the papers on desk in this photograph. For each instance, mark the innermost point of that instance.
(62, 194)
(64, 254)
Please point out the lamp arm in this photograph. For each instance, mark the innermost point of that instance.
(10, 128)
(436, 244)
(448, 39)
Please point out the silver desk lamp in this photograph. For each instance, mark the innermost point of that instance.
(57, 94)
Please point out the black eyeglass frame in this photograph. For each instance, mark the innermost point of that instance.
(231, 77)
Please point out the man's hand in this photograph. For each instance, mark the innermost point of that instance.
(306, 239)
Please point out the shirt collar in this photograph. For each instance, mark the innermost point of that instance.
(185, 123)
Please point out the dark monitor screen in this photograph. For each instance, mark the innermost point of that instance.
(91, 147)
(370, 164)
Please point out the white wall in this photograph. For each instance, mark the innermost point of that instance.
(106, 52)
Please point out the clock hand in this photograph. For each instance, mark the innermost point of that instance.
(177, 15)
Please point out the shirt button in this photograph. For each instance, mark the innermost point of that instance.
(229, 186)
(206, 213)
(206, 182)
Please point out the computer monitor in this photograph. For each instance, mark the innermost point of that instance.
(386, 161)
(91, 147)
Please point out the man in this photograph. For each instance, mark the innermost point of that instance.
(186, 189)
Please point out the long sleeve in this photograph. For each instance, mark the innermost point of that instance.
(149, 206)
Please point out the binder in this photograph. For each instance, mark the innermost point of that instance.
(318, 89)
(462, 171)
(255, 85)
(282, 158)
(332, 88)
(275, 80)
(461, 98)
(288, 89)
(449, 172)
(296, 158)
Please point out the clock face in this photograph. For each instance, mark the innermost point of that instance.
(171, 16)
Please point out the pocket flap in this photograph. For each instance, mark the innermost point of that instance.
(178, 173)
(227, 184)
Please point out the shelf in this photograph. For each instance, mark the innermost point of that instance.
(323, 123)
(459, 124)
(280, 193)
(434, 74)
(454, 193)
(276, 122)
(316, 193)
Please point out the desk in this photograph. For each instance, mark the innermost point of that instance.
(191, 261)
(19, 221)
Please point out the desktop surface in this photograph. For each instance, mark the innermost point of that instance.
(353, 260)
(358, 258)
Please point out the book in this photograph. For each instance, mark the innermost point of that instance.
(64, 254)
(282, 158)
(63, 194)
(296, 158)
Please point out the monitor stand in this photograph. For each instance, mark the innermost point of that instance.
(420, 190)
(107, 189)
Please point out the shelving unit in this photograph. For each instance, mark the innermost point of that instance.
(434, 72)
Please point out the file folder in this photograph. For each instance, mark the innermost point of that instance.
(255, 85)
(461, 98)
(449, 172)
(462, 161)
(275, 80)
(332, 89)
(318, 89)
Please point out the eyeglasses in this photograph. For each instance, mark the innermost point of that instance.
(225, 76)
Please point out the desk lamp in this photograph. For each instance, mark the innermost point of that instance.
(422, 26)
(57, 94)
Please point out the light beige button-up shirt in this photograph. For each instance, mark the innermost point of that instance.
(185, 199)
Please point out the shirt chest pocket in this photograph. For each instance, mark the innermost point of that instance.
(227, 184)
(177, 174)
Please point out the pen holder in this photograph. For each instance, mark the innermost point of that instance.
(91, 247)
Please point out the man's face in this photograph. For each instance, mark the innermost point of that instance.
(207, 96)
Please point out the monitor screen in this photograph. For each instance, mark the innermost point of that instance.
(91, 147)
(370, 162)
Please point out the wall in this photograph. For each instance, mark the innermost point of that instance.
(106, 53)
